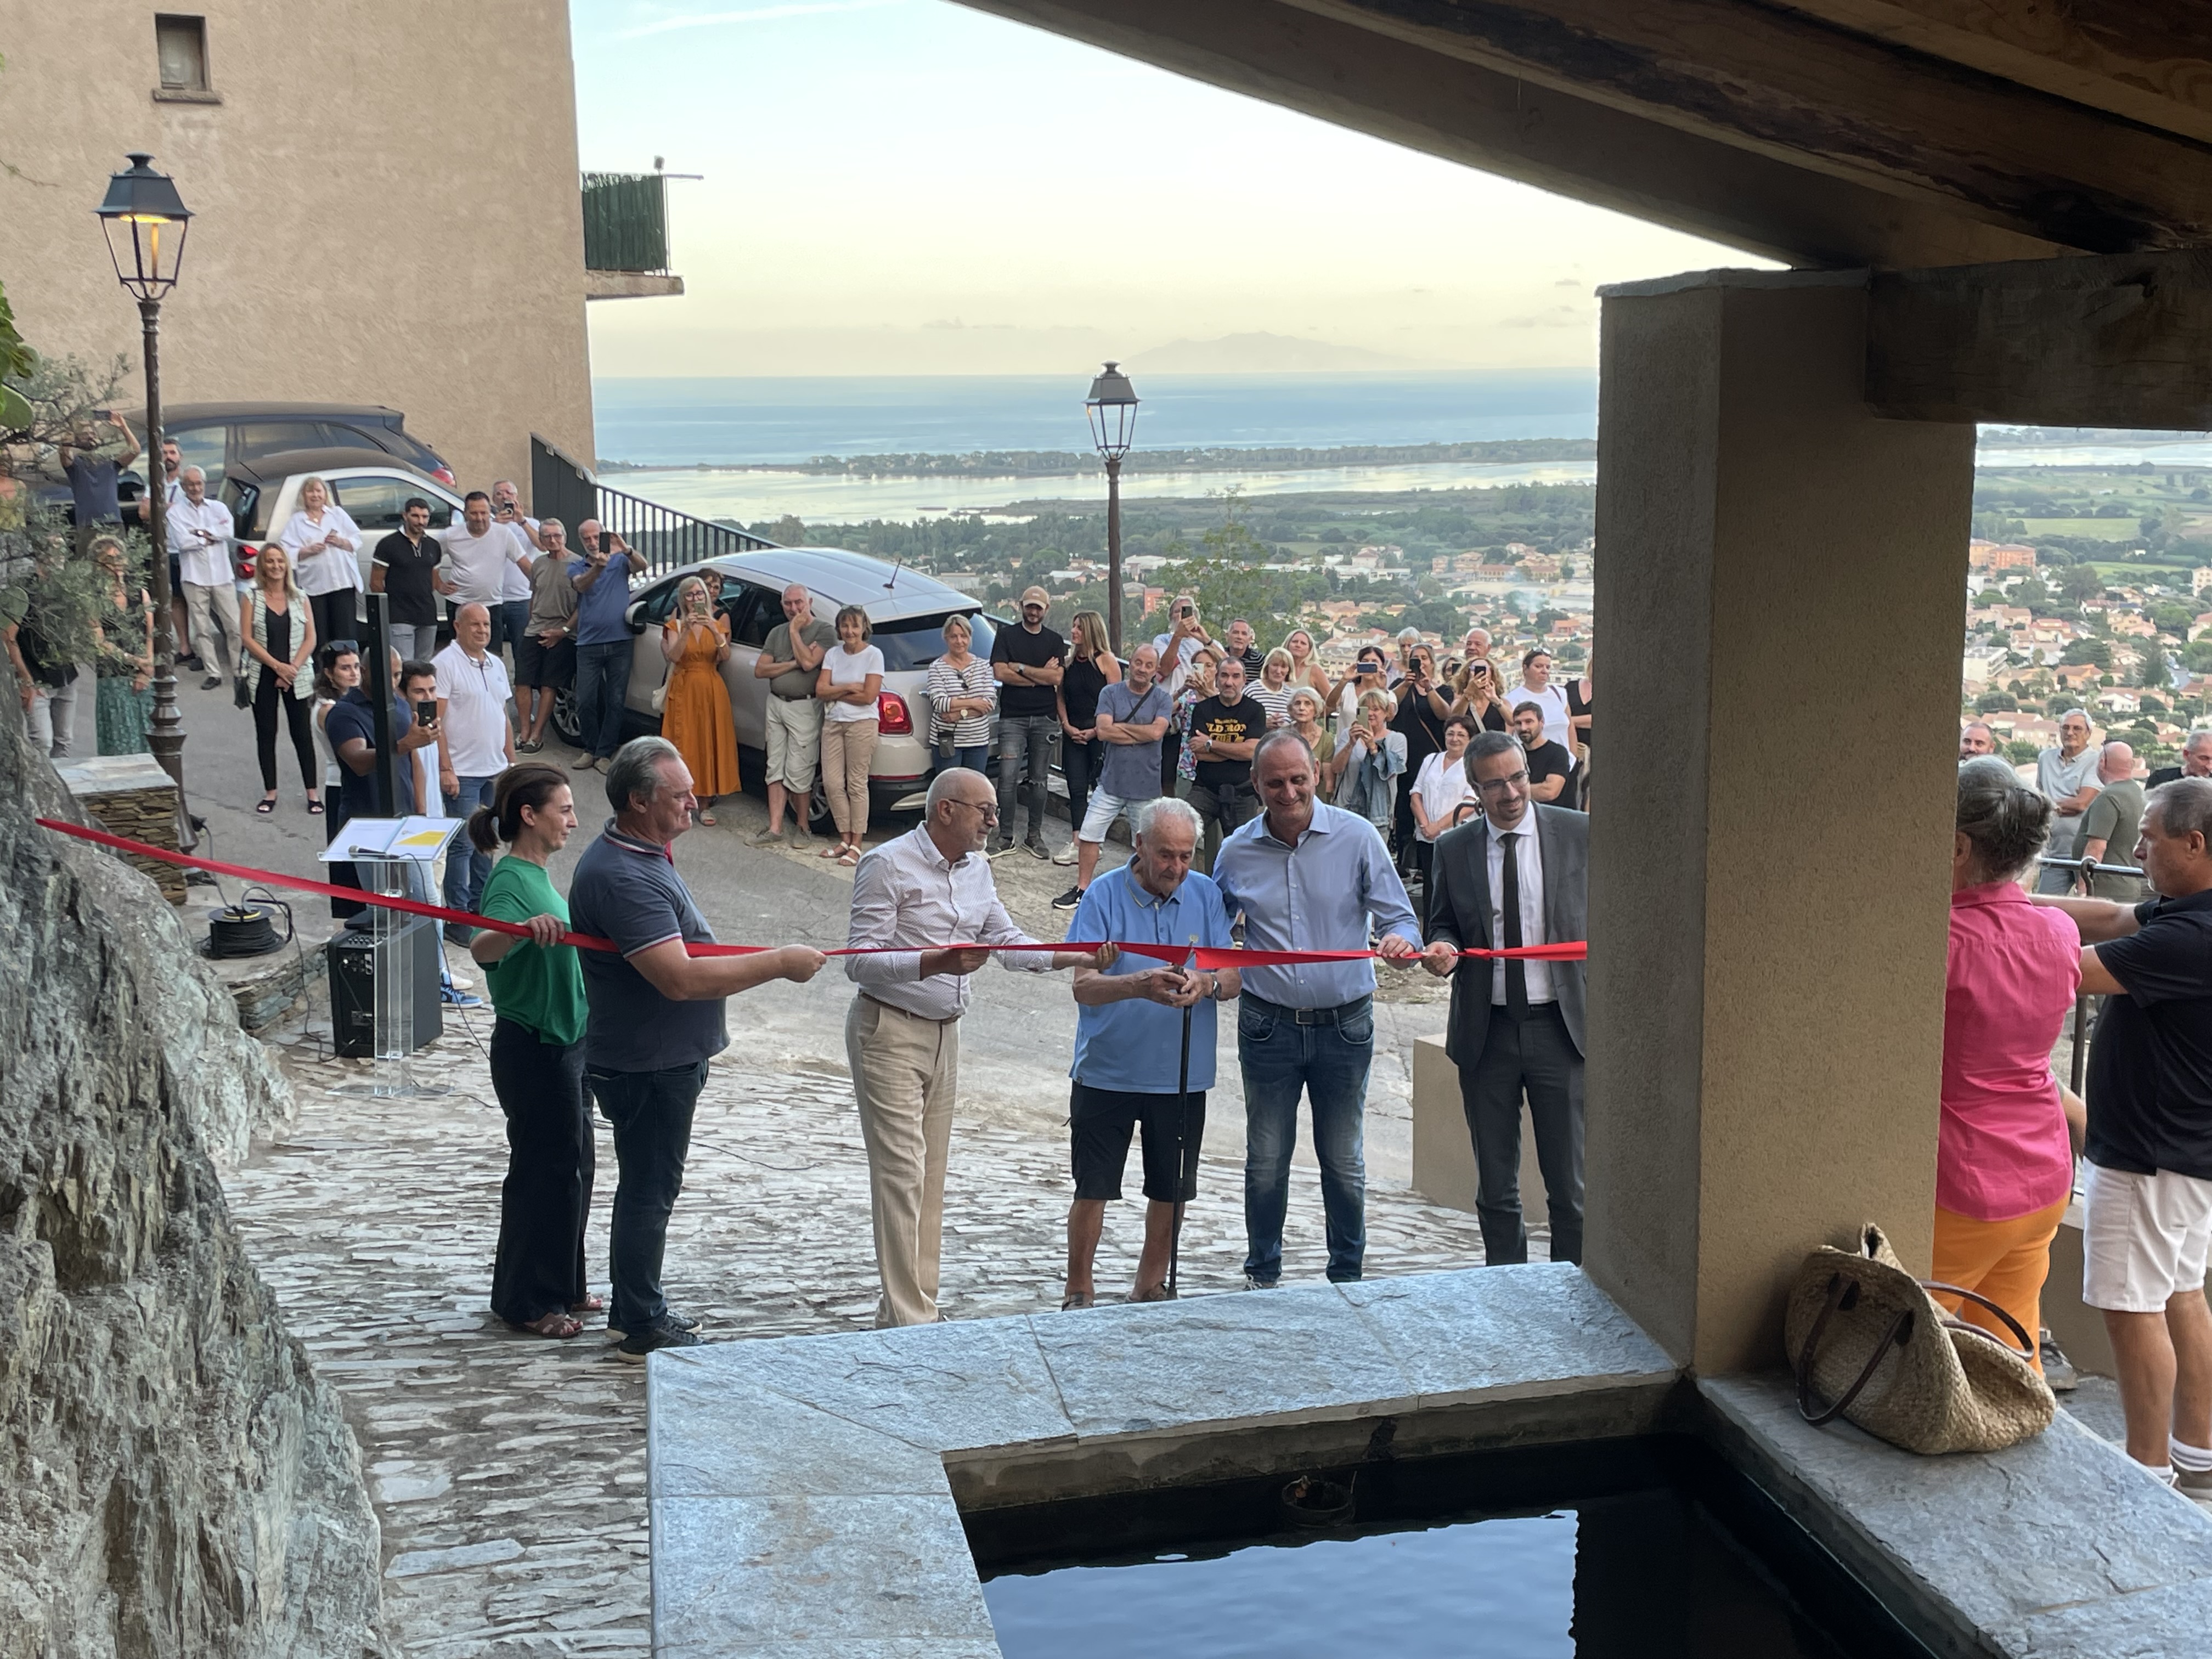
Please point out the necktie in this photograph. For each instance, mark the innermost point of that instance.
(1516, 971)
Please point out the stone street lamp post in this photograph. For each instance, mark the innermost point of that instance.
(1112, 408)
(146, 220)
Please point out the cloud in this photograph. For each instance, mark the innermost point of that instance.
(757, 15)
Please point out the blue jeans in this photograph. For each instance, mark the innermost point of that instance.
(651, 1113)
(1329, 1062)
(972, 757)
(1025, 747)
(466, 869)
(510, 621)
(602, 677)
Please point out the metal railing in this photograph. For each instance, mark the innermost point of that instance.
(667, 538)
(625, 221)
(664, 537)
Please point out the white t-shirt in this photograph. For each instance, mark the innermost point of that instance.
(476, 565)
(1442, 786)
(851, 668)
(476, 691)
(331, 570)
(1552, 700)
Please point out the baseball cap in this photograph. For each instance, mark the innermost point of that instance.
(1037, 596)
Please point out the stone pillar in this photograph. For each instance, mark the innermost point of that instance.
(1781, 590)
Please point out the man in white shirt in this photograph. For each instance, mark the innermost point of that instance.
(928, 887)
(514, 587)
(475, 744)
(2066, 775)
(200, 531)
(478, 555)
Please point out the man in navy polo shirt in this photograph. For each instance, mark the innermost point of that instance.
(1128, 1042)
(655, 1016)
(604, 641)
(2146, 1210)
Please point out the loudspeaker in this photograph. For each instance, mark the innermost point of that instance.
(353, 987)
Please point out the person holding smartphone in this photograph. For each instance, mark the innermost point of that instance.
(1185, 638)
(1366, 674)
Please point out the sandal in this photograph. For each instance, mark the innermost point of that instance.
(267, 806)
(831, 851)
(314, 809)
(707, 818)
(1157, 1293)
(558, 1325)
(589, 1304)
(1078, 1299)
(849, 857)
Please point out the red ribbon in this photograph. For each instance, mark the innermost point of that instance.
(1205, 958)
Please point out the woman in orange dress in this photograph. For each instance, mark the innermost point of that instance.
(695, 712)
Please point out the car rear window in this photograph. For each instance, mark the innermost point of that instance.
(912, 643)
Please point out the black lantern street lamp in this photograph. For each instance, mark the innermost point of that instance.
(146, 220)
(1112, 407)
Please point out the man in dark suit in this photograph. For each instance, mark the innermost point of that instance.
(1517, 875)
(2195, 762)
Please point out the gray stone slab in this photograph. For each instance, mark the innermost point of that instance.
(1995, 1543)
(710, 1435)
(2173, 1622)
(964, 1385)
(1283, 1356)
(756, 1574)
(909, 1647)
(1505, 1332)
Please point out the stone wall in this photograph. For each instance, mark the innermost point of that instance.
(174, 1478)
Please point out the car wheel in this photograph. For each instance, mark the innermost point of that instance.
(566, 724)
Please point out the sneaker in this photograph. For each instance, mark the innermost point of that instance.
(2195, 1485)
(672, 1320)
(637, 1349)
(190, 663)
(1252, 1284)
(210, 682)
(766, 837)
(454, 998)
(1066, 855)
(802, 838)
(1001, 846)
(1036, 849)
(1068, 900)
(458, 934)
(460, 982)
(2057, 1369)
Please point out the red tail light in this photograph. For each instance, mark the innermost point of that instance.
(892, 720)
(445, 476)
(246, 557)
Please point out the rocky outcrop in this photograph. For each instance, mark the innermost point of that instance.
(176, 1480)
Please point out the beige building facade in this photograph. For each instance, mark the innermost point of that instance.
(385, 195)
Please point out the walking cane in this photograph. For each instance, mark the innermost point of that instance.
(1182, 1128)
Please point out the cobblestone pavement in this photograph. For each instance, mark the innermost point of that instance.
(508, 1471)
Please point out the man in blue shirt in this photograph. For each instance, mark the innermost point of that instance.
(1308, 877)
(604, 642)
(1128, 1042)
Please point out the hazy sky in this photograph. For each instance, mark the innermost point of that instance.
(906, 186)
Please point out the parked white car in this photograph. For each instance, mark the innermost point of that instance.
(906, 610)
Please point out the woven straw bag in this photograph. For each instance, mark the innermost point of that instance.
(1865, 1334)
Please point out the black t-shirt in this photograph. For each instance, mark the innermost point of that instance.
(1242, 721)
(1079, 688)
(407, 570)
(2150, 1067)
(1418, 721)
(1037, 650)
(1549, 760)
(2164, 775)
(354, 716)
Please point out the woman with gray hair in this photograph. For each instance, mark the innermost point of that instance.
(2004, 1150)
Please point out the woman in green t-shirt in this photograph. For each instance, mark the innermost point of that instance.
(536, 987)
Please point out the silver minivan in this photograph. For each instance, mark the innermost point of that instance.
(906, 612)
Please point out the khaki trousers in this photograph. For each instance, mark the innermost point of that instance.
(905, 1072)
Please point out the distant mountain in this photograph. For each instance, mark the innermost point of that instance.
(1263, 354)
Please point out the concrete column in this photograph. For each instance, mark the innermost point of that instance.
(1780, 590)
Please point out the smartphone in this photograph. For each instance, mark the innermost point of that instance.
(1184, 612)
(426, 713)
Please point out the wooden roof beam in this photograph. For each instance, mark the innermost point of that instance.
(2121, 341)
(1443, 105)
(1803, 91)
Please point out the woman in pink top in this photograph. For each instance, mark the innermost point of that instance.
(2004, 1159)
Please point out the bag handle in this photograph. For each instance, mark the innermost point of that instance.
(1844, 1294)
(2026, 1349)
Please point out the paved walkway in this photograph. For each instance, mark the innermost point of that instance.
(509, 1472)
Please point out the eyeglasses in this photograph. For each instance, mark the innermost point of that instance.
(988, 809)
(1504, 786)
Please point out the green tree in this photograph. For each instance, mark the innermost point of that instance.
(2082, 582)
(2019, 753)
(1996, 702)
(2096, 653)
(1224, 573)
(2153, 675)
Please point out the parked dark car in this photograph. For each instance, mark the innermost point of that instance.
(218, 438)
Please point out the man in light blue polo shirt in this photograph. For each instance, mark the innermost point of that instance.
(1128, 1042)
(604, 641)
(1308, 877)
